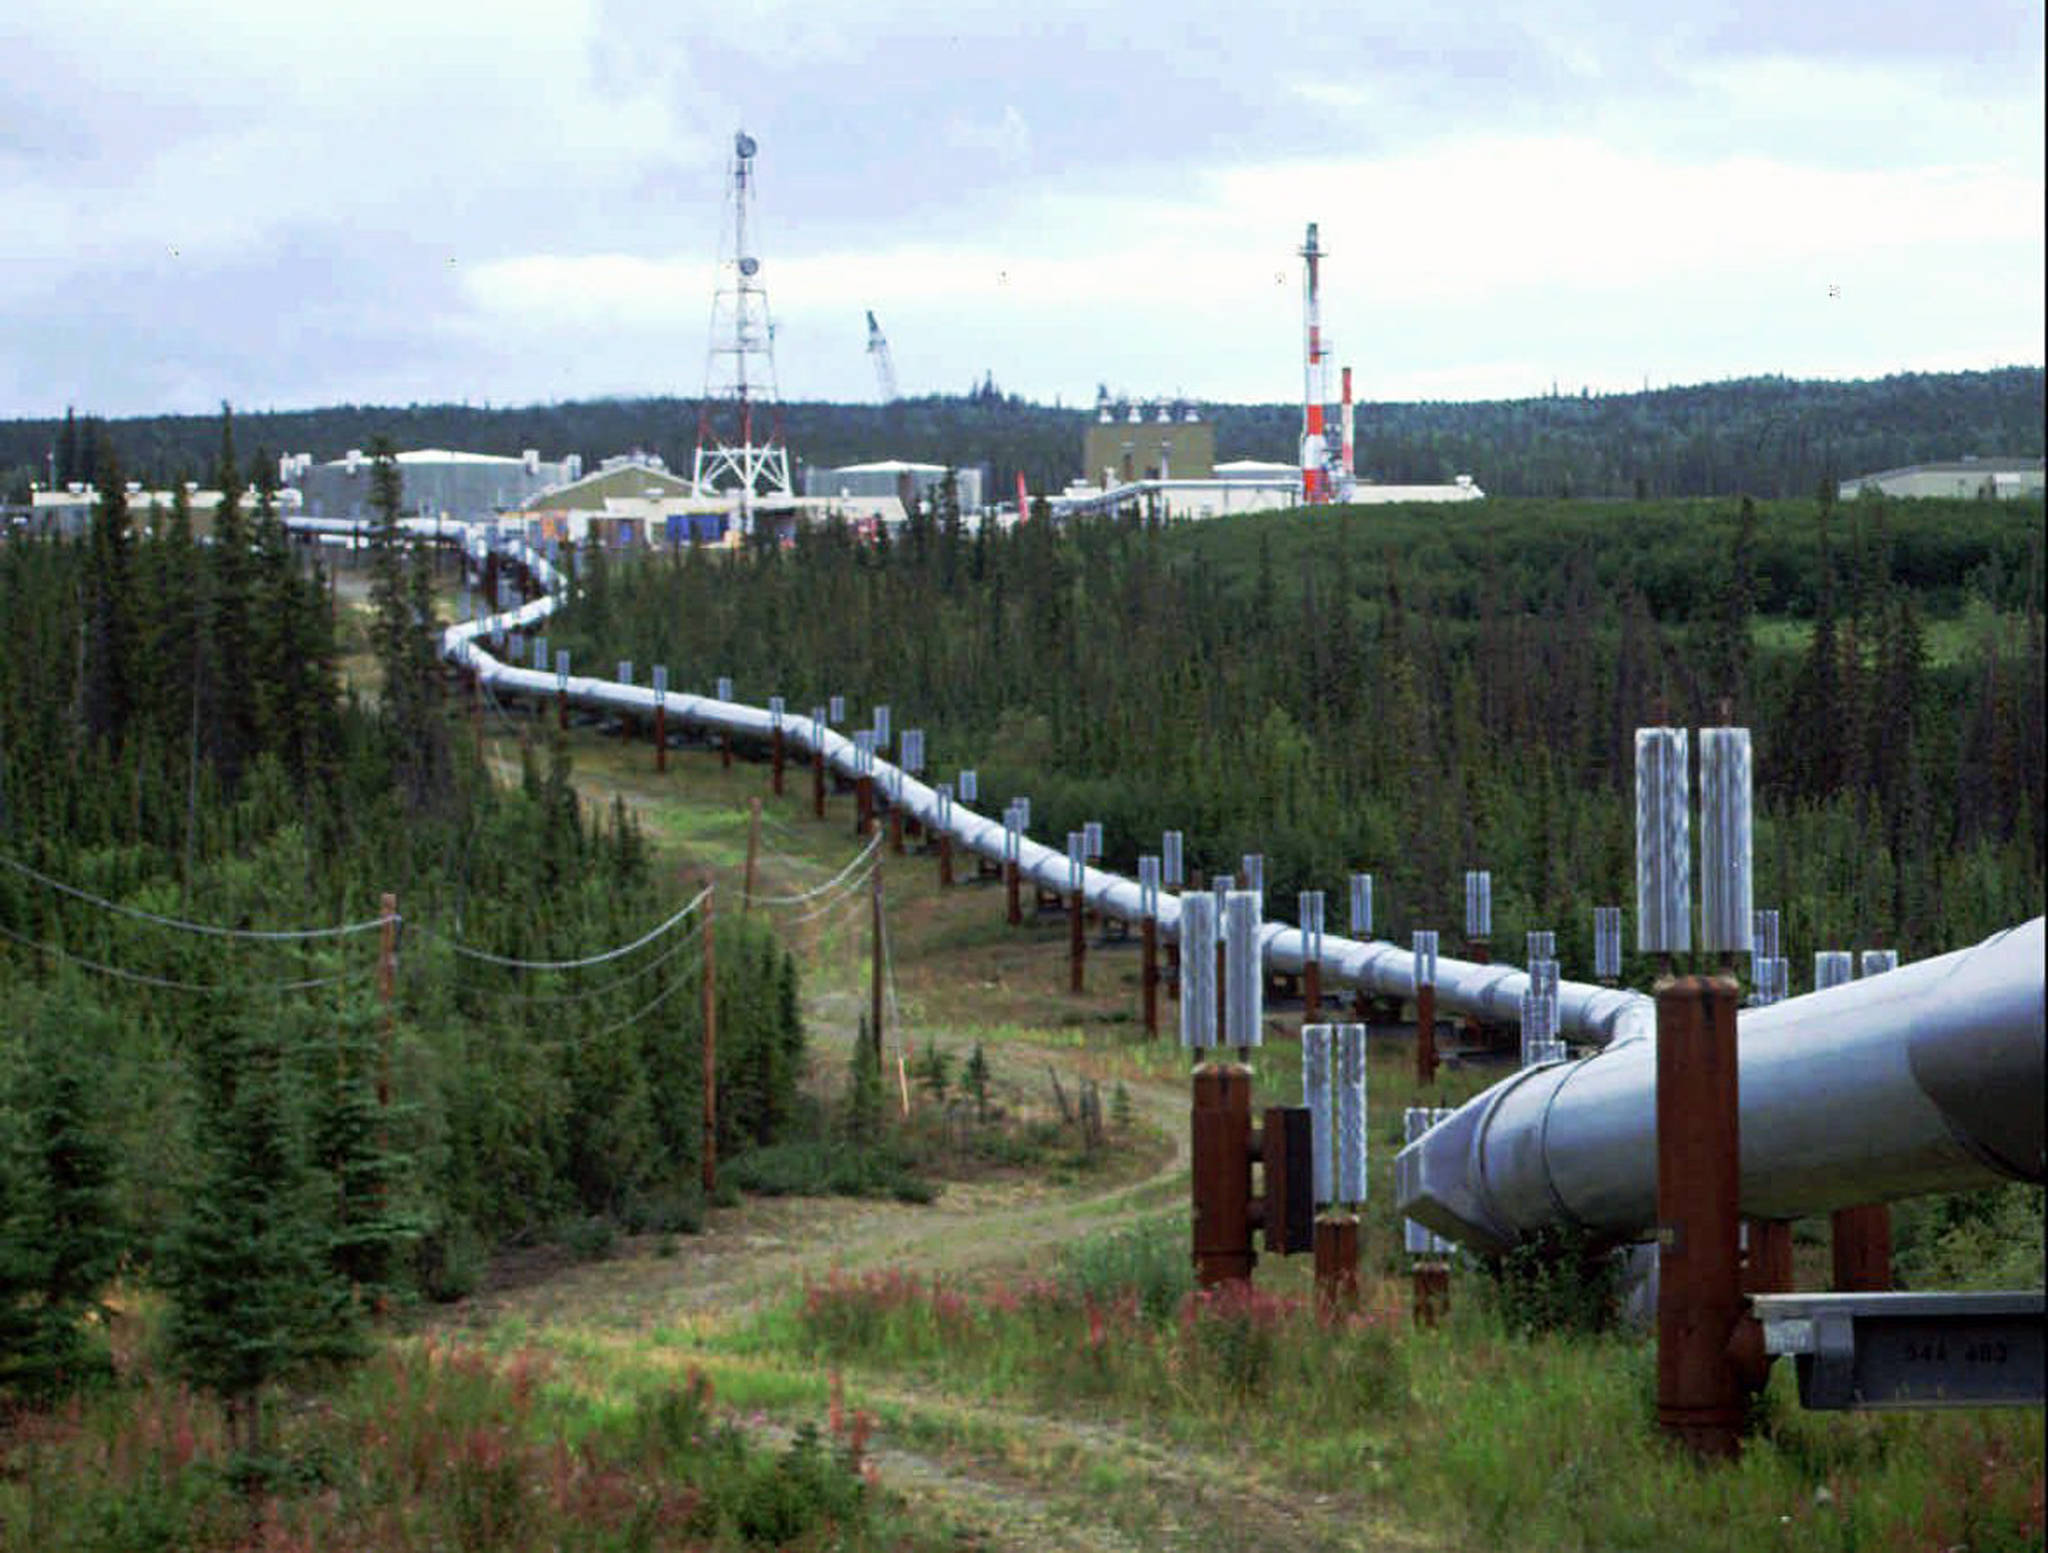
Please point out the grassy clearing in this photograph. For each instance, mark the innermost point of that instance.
(1499, 1439)
(432, 1446)
(1031, 1336)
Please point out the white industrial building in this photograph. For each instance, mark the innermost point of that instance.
(1248, 486)
(437, 482)
(895, 477)
(1990, 479)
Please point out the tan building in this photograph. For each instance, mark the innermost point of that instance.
(1148, 443)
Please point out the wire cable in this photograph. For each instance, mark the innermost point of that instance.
(210, 929)
(588, 993)
(146, 979)
(641, 1012)
(812, 894)
(847, 892)
(514, 962)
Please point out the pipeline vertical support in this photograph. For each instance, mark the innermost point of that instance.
(1431, 1292)
(775, 761)
(725, 749)
(1700, 1394)
(1220, 1136)
(945, 860)
(1767, 1259)
(562, 710)
(818, 781)
(1862, 1248)
(1013, 893)
(661, 735)
(864, 805)
(1148, 975)
(1425, 1034)
(1311, 991)
(1336, 1255)
(1077, 942)
(895, 830)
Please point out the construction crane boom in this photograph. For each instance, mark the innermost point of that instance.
(885, 366)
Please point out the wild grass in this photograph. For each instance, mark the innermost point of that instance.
(431, 1446)
(1492, 1435)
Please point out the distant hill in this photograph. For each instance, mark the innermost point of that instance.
(1769, 436)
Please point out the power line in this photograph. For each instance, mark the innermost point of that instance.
(588, 993)
(145, 979)
(513, 962)
(812, 894)
(213, 930)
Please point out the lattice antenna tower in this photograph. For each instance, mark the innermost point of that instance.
(739, 364)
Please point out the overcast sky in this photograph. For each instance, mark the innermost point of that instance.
(291, 204)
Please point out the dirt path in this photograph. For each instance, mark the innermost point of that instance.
(1006, 1476)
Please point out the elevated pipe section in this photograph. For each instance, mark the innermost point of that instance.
(1925, 1079)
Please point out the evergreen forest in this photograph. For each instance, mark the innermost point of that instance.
(1770, 436)
(1415, 693)
(226, 1073)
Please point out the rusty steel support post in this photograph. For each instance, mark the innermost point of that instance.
(1173, 971)
(864, 806)
(1700, 1394)
(1862, 1246)
(725, 749)
(945, 860)
(1432, 1292)
(1311, 992)
(1013, 886)
(1077, 942)
(1220, 1136)
(1336, 1265)
(1425, 1034)
(562, 710)
(775, 759)
(1148, 975)
(1767, 1263)
(661, 734)
(895, 830)
(818, 783)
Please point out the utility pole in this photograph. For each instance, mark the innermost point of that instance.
(387, 991)
(753, 851)
(710, 989)
(875, 969)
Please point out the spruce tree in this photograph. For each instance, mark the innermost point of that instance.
(232, 738)
(110, 632)
(364, 1181)
(242, 1264)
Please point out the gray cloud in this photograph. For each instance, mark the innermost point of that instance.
(327, 179)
